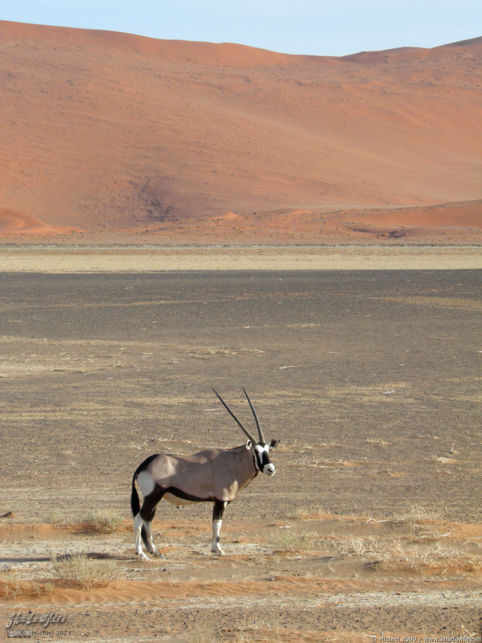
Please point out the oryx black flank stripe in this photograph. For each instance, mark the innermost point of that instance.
(179, 493)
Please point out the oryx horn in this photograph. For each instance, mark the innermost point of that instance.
(258, 426)
(234, 417)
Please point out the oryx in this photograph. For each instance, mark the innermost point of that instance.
(212, 475)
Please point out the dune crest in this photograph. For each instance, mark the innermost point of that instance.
(205, 53)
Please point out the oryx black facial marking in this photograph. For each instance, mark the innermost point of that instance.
(263, 462)
(212, 475)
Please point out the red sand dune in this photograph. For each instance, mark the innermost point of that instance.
(108, 132)
(18, 223)
(445, 222)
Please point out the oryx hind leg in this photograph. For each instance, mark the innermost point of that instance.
(218, 511)
(138, 525)
(151, 494)
(147, 513)
(143, 531)
(151, 547)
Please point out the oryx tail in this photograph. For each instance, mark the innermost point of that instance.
(135, 499)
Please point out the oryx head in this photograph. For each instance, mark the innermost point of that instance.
(260, 447)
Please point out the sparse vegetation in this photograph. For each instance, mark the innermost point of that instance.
(376, 442)
(12, 586)
(54, 517)
(398, 554)
(249, 628)
(284, 540)
(82, 572)
(419, 515)
(314, 513)
(105, 522)
(332, 554)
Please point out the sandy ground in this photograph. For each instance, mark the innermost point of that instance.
(70, 259)
(444, 224)
(371, 526)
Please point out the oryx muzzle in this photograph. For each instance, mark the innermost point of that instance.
(212, 475)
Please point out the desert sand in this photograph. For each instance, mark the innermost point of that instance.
(64, 259)
(113, 133)
(371, 525)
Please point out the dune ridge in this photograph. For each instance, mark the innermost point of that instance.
(207, 53)
(111, 133)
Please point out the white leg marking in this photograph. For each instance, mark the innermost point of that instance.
(138, 522)
(152, 547)
(216, 547)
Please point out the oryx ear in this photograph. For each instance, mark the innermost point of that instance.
(249, 444)
(273, 444)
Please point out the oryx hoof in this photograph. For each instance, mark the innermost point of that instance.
(142, 555)
(217, 552)
(157, 554)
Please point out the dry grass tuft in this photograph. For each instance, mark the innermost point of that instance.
(55, 517)
(104, 522)
(349, 637)
(286, 540)
(377, 443)
(11, 586)
(82, 572)
(420, 515)
(250, 628)
(394, 554)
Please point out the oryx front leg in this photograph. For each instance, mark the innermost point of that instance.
(218, 511)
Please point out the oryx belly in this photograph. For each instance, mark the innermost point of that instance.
(178, 501)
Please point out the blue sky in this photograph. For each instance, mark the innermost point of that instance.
(322, 27)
